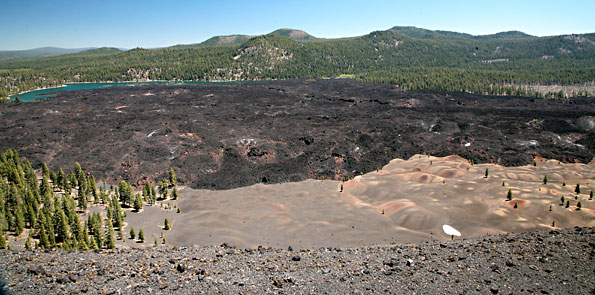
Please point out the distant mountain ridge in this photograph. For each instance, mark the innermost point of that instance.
(410, 57)
(420, 33)
(6, 55)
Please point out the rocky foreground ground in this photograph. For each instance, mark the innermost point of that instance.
(543, 262)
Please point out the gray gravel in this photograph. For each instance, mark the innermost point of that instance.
(544, 262)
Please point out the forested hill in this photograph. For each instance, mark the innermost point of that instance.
(410, 57)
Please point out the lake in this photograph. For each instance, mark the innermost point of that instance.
(43, 93)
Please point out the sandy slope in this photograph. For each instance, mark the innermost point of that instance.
(406, 201)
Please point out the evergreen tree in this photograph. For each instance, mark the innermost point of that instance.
(73, 181)
(486, 174)
(61, 225)
(172, 177)
(153, 195)
(163, 188)
(93, 244)
(111, 240)
(82, 200)
(93, 188)
(132, 233)
(509, 195)
(577, 189)
(166, 225)
(141, 235)
(44, 242)
(545, 179)
(28, 243)
(147, 192)
(2, 241)
(45, 171)
(174, 193)
(61, 178)
(125, 191)
(138, 202)
(19, 220)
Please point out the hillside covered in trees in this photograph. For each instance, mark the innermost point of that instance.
(410, 57)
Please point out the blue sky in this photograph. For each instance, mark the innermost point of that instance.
(26, 24)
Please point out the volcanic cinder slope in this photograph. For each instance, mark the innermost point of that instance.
(221, 136)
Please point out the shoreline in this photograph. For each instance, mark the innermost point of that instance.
(132, 82)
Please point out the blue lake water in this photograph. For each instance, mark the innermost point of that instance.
(43, 93)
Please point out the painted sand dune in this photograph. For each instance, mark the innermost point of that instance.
(406, 201)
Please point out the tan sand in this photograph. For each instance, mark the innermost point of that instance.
(406, 201)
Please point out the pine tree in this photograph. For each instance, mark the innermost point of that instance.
(61, 225)
(141, 235)
(562, 199)
(153, 195)
(172, 177)
(93, 244)
(174, 193)
(486, 174)
(132, 233)
(138, 202)
(579, 205)
(82, 200)
(125, 191)
(577, 189)
(2, 241)
(61, 178)
(545, 179)
(147, 192)
(111, 240)
(44, 242)
(591, 195)
(28, 243)
(509, 195)
(163, 188)
(19, 219)
(166, 225)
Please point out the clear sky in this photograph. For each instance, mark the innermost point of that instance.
(26, 24)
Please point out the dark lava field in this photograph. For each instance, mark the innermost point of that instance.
(221, 136)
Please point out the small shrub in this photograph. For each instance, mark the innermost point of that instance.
(550, 207)
(579, 206)
(516, 205)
